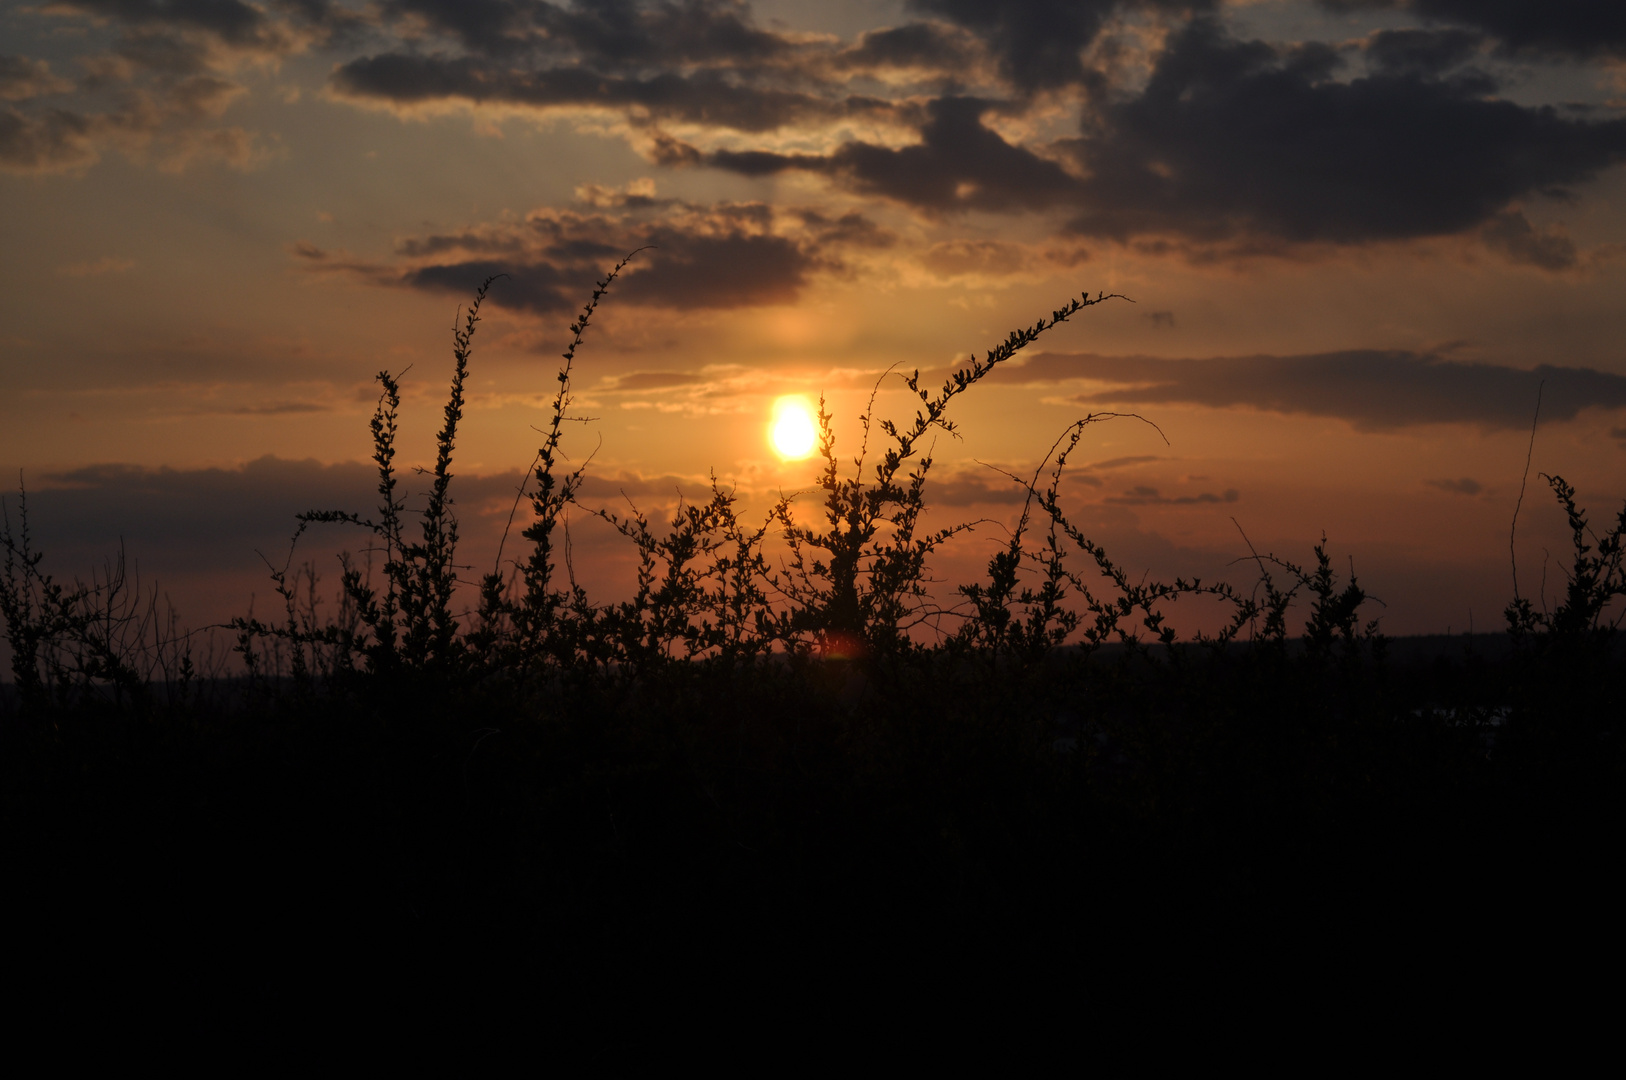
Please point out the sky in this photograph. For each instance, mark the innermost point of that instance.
(1355, 238)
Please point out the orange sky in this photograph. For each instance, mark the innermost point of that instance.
(1357, 236)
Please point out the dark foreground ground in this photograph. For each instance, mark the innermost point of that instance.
(1113, 832)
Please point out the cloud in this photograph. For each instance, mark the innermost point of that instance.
(607, 34)
(1574, 28)
(186, 520)
(965, 488)
(1124, 462)
(1421, 53)
(55, 140)
(1512, 234)
(704, 98)
(229, 20)
(925, 46)
(1141, 495)
(107, 264)
(1234, 139)
(156, 76)
(1038, 43)
(1374, 390)
(1240, 137)
(959, 164)
(1188, 139)
(652, 380)
(718, 256)
(1464, 486)
(280, 408)
(22, 78)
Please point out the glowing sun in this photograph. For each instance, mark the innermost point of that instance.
(793, 431)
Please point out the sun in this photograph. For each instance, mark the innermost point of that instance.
(793, 431)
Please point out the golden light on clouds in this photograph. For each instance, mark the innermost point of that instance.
(793, 432)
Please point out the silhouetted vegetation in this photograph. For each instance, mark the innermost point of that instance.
(768, 754)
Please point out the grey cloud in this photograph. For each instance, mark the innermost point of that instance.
(1237, 139)
(959, 164)
(727, 255)
(1141, 495)
(1579, 28)
(280, 408)
(186, 519)
(654, 380)
(1466, 485)
(22, 78)
(1124, 462)
(1421, 53)
(974, 489)
(612, 33)
(230, 20)
(728, 271)
(702, 98)
(1233, 137)
(851, 229)
(53, 141)
(1374, 390)
(916, 45)
(721, 272)
(1038, 42)
(1512, 234)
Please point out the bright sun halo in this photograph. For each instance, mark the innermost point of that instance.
(793, 431)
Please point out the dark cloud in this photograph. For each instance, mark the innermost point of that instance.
(1037, 42)
(1123, 462)
(1237, 137)
(851, 229)
(687, 271)
(917, 45)
(1421, 53)
(22, 78)
(230, 20)
(1160, 320)
(728, 255)
(1618, 433)
(51, 141)
(186, 519)
(1512, 234)
(1580, 28)
(1141, 495)
(959, 164)
(280, 408)
(960, 489)
(654, 380)
(538, 287)
(1467, 485)
(604, 32)
(1374, 390)
(720, 272)
(703, 97)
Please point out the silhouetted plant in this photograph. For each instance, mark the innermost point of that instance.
(1594, 581)
(68, 643)
(857, 580)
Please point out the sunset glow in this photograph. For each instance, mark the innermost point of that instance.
(794, 431)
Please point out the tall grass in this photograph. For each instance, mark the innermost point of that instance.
(852, 579)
